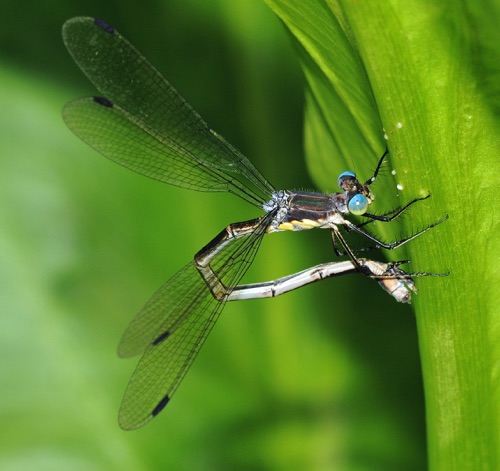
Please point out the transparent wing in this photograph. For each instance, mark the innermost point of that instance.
(142, 96)
(115, 133)
(173, 326)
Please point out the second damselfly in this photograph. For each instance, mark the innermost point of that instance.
(141, 122)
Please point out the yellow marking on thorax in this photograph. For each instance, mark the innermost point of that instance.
(298, 225)
(286, 226)
(307, 223)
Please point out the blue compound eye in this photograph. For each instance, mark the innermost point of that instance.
(343, 176)
(358, 204)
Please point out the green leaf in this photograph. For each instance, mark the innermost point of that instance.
(431, 72)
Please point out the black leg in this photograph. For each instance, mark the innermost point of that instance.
(391, 215)
(380, 162)
(390, 245)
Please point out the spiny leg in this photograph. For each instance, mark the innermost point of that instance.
(377, 169)
(393, 214)
(391, 245)
(390, 277)
(337, 236)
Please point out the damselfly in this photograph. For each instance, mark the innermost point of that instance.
(144, 124)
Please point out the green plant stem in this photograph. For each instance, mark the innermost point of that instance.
(428, 76)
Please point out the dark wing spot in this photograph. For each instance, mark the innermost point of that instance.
(161, 338)
(104, 26)
(103, 101)
(161, 405)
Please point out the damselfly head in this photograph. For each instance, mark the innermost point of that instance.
(357, 195)
(347, 181)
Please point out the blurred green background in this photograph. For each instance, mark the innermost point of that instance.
(327, 377)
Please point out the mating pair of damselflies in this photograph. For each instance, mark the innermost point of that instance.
(144, 124)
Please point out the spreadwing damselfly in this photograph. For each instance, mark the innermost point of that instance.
(141, 122)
